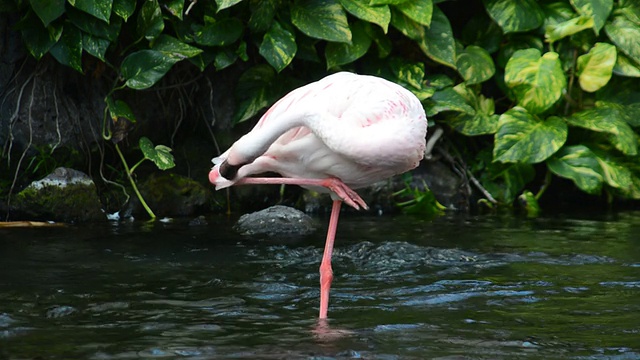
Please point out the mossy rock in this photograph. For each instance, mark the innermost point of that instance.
(174, 195)
(66, 195)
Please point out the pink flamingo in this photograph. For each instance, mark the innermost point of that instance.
(343, 132)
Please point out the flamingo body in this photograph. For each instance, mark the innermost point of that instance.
(343, 132)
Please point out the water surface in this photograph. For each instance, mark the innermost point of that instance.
(457, 287)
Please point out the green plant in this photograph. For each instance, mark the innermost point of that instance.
(570, 107)
(159, 155)
(418, 200)
(528, 88)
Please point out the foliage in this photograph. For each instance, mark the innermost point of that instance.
(159, 155)
(533, 87)
(418, 200)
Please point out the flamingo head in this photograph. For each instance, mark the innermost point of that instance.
(215, 177)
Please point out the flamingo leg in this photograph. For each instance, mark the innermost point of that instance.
(345, 194)
(326, 273)
(335, 185)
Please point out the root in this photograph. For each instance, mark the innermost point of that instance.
(24, 153)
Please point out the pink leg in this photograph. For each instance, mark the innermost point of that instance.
(336, 185)
(326, 273)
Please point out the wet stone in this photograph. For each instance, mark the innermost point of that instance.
(60, 311)
(276, 220)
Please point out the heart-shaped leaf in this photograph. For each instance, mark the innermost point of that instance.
(342, 53)
(475, 65)
(607, 119)
(515, 16)
(596, 67)
(522, 137)
(438, 42)
(379, 15)
(160, 155)
(598, 10)
(278, 46)
(321, 19)
(537, 81)
(142, 69)
(578, 164)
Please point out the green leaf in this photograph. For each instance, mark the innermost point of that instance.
(36, 37)
(224, 58)
(481, 31)
(483, 121)
(100, 9)
(124, 8)
(278, 46)
(224, 4)
(321, 19)
(475, 65)
(607, 119)
(220, 33)
(522, 137)
(150, 22)
(47, 10)
(530, 203)
(174, 48)
(407, 73)
(68, 50)
(599, 10)
(99, 29)
(120, 109)
(160, 155)
(95, 46)
(262, 14)
(596, 67)
(409, 28)
(625, 35)
(626, 67)
(615, 175)
(254, 87)
(561, 30)
(515, 16)
(143, 68)
(537, 81)
(630, 9)
(174, 7)
(578, 164)
(419, 11)
(411, 76)
(438, 42)
(340, 53)
(379, 15)
(448, 99)
(556, 12)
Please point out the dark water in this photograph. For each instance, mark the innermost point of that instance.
(404, 288)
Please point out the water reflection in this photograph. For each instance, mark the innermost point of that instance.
(474, 287)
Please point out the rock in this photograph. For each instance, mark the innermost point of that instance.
(173, 195)
(276, 220)
(65, 195)
(60, 311)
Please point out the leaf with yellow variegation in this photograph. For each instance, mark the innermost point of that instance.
(596, 67)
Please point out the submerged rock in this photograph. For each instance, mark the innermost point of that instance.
(65, 195)
(276, 220)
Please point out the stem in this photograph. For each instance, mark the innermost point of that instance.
(133, 168)
(133, 184)
(545, 185)
(572, 78)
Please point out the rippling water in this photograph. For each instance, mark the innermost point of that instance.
(404, 288)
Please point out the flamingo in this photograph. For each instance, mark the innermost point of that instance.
(343, 132)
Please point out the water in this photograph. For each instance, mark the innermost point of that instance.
(404, 288)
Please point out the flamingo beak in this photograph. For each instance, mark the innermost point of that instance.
(216, 179)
